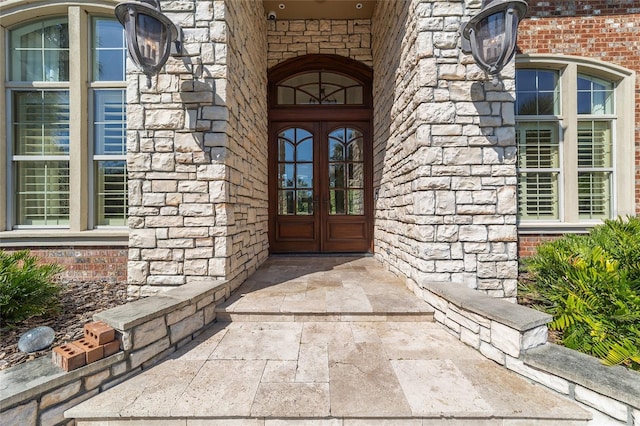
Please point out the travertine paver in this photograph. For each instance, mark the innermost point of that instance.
(363, 383)
(253, 340)
(350, 370)
(336, 285)
(295, 399)
(158, 392)
(329, 371)
(222, 388)
(437, 386)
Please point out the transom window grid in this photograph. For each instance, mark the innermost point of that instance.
(40, 51)
(44, 176)
(320, 88)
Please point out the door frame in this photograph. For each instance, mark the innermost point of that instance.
(318, 116)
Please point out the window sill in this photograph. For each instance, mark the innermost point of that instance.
(554, 228)
(63, 237)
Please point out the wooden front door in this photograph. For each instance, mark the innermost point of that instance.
(320, 156)
(320, 187)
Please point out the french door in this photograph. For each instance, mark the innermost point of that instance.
(320, 187)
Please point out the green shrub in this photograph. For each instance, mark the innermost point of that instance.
(26, 286)
(591, 286)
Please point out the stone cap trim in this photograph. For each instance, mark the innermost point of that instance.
(26, 381)
(64, 238)
(510, 314)
(616, 382)
(134, 313)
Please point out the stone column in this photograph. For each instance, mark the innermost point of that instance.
(445, 152)
(181, 157)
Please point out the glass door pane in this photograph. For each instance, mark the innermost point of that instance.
(295, 172)
(346, 172)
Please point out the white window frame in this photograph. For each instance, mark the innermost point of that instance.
(81, 229)
(623, 149)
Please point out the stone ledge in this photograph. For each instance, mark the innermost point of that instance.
(140, 311)
(515, 316)
(23, 385)
(616, 382)
(28, 380)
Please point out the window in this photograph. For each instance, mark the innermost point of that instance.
(109, 124)
(295, 172)
(538, 140)
(40, 123)
(574, 132)
(322, 87)
(66, 142)
(595, 139)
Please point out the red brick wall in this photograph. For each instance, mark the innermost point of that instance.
(608, 30)
(527, 244)
(548, 8)
(86, 263)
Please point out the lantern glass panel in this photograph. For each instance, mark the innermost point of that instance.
(490, 37)
(152, 38)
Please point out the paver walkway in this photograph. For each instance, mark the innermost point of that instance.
(326, 341)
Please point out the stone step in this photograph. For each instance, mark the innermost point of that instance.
(340, 421)
(326, 373)
(247, 316)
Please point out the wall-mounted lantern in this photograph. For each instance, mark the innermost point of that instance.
(491, 35)
(150, 35)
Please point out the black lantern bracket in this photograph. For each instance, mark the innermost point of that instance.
(491, 35)
(151, 35)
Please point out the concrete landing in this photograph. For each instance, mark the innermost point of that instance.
(329, 372)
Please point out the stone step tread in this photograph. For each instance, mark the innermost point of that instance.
(336, 421)
(333, 372)
(323, 316)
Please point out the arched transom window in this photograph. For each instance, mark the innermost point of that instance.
(320, 88)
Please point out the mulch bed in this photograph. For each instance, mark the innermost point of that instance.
(79, 301)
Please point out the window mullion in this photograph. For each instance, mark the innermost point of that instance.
(4, 140)
(623, 149)
(78, 127)
(569, 156)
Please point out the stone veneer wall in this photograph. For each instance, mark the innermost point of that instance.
(292, 38)
(247, 138)
(195, 156)
(445, 152)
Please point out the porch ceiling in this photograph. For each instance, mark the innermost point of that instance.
(320, 9)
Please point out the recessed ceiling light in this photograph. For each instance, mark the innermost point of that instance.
(281, 6)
